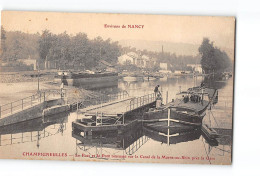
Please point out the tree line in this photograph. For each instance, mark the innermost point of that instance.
(78, 51)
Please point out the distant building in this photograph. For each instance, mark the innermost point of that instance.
(29, 62)
(129, 58)
(135, 59)
(163, 66)
(165, 71)
(196, 67)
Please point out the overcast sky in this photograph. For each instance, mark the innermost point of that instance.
(177, 29)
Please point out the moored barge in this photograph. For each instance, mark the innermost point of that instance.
(89, 80)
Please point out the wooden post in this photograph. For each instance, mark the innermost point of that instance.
(123, 118)
(22, 104)
(0, 111)
(11, 108)
(31, 100)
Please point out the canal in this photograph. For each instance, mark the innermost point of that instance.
(54, 134)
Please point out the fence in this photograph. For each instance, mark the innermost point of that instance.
(24, 103)
(140, 101)
(99, 100)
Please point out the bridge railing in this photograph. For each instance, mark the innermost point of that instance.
(101, 99)
(22, 104)
(136, 145)
(140, 101)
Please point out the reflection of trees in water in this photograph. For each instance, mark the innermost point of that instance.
(215, 81)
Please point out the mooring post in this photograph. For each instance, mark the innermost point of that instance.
(22, 104)
(123, 118)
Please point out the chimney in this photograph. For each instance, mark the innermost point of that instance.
(162, 49)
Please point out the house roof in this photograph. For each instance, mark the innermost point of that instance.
(132, 54)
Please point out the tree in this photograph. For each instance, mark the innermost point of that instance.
(45, 44)
(3, 38)
(213, 59)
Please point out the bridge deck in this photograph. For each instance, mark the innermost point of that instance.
(116, 107)
(110, 108)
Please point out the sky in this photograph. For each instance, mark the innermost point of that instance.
(169, 28)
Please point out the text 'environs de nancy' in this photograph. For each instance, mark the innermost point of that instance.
(124, 26)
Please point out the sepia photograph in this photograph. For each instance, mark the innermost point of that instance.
(117, 87)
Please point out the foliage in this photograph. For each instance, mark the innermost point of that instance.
(17, 45)
(213, 59)
(77, 51)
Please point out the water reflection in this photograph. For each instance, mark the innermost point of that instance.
(33, 130)
(120, 145)
(173, 137)
(137, 140)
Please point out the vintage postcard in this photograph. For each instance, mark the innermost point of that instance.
(116, 87)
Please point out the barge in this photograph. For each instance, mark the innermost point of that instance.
(88, 79)
(188, 109)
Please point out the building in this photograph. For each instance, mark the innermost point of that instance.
(135, 59)
(129, 58)
(196, 68)
(29, 62)
(163, 66)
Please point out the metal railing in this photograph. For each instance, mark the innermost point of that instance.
(27, 102)
(136, 145)
(140, 101)
(136, 103)
(21, 104)
(100, 99)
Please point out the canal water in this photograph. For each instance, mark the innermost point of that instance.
(53, 135)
